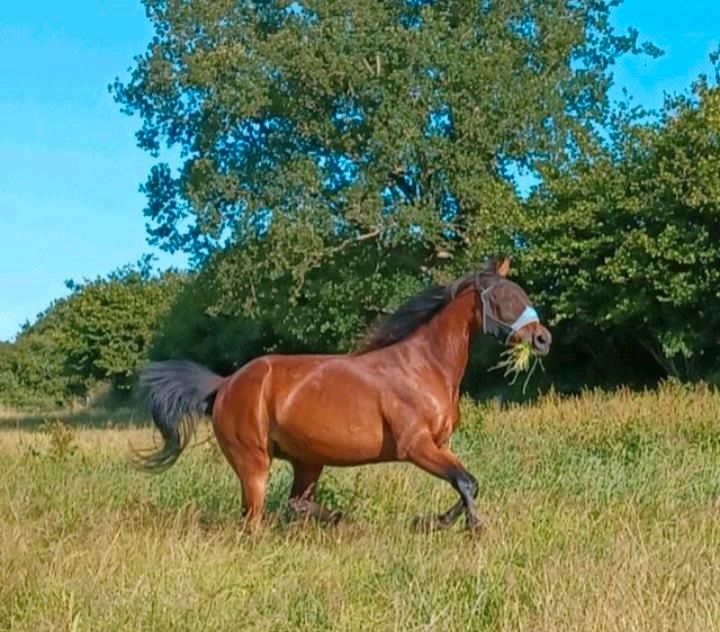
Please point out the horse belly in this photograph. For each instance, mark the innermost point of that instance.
(332, 426)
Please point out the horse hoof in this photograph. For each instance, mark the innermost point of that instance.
(476, 525)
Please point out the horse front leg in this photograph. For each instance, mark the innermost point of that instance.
(440, 462)
(431, 522)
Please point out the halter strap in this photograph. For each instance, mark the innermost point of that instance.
(528, 315)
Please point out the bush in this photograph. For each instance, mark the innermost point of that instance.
(101, 332)
(626, 248)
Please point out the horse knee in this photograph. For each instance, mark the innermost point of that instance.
(466, 484)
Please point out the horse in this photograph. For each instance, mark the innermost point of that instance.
(396, 398)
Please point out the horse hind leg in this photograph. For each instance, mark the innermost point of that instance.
(244, 444)
(252, 467)
(241, 427)
(302, 495)
(253, 479)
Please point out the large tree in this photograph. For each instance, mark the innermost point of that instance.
(626, 248)
(333, 154)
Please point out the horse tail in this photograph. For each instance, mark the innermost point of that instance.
(178, 394)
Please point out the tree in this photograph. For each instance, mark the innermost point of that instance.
(32, 370)
(101, 332)
(339, 154)
(626, 248)
(109, 323)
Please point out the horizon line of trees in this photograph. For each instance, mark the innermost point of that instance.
(334, 159)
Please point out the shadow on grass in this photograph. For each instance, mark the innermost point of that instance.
(121, 417)
(279, 520)
(219, 508)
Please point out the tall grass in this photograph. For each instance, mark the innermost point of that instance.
(604, 515)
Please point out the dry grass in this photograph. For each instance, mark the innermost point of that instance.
(604, 514)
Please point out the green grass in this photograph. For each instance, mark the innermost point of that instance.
(604, 514)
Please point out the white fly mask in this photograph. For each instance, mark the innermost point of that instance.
(492, 324)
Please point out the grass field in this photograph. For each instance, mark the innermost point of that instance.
(605, 515)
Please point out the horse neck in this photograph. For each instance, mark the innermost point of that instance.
(445, 340)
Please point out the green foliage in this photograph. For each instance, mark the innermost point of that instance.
(332, 306)
(110, 322)
(101, 332)
(340, 153)
(189, 331)
(334, 158)
(222, 331)
(627, 246)
(32, 369)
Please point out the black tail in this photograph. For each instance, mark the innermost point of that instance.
(178, 393)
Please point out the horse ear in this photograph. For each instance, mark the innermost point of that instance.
(504, 267)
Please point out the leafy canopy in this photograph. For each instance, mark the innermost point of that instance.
(359, 145)
(101, 332)
(629, 243)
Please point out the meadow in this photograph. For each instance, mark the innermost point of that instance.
(604, 514)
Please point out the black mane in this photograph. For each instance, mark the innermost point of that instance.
(415, 312)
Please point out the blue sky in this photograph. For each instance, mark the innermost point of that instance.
(69, 168)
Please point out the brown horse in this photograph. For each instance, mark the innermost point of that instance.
(397, 399)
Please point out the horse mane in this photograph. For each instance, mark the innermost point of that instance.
(417, 311)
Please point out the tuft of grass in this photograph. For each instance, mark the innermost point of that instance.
(603, 516)
(62, 439)
(516, 359)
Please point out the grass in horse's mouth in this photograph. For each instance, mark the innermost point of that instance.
(516, 359)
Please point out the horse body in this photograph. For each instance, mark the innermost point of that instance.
(349, 409)
(397, 400)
